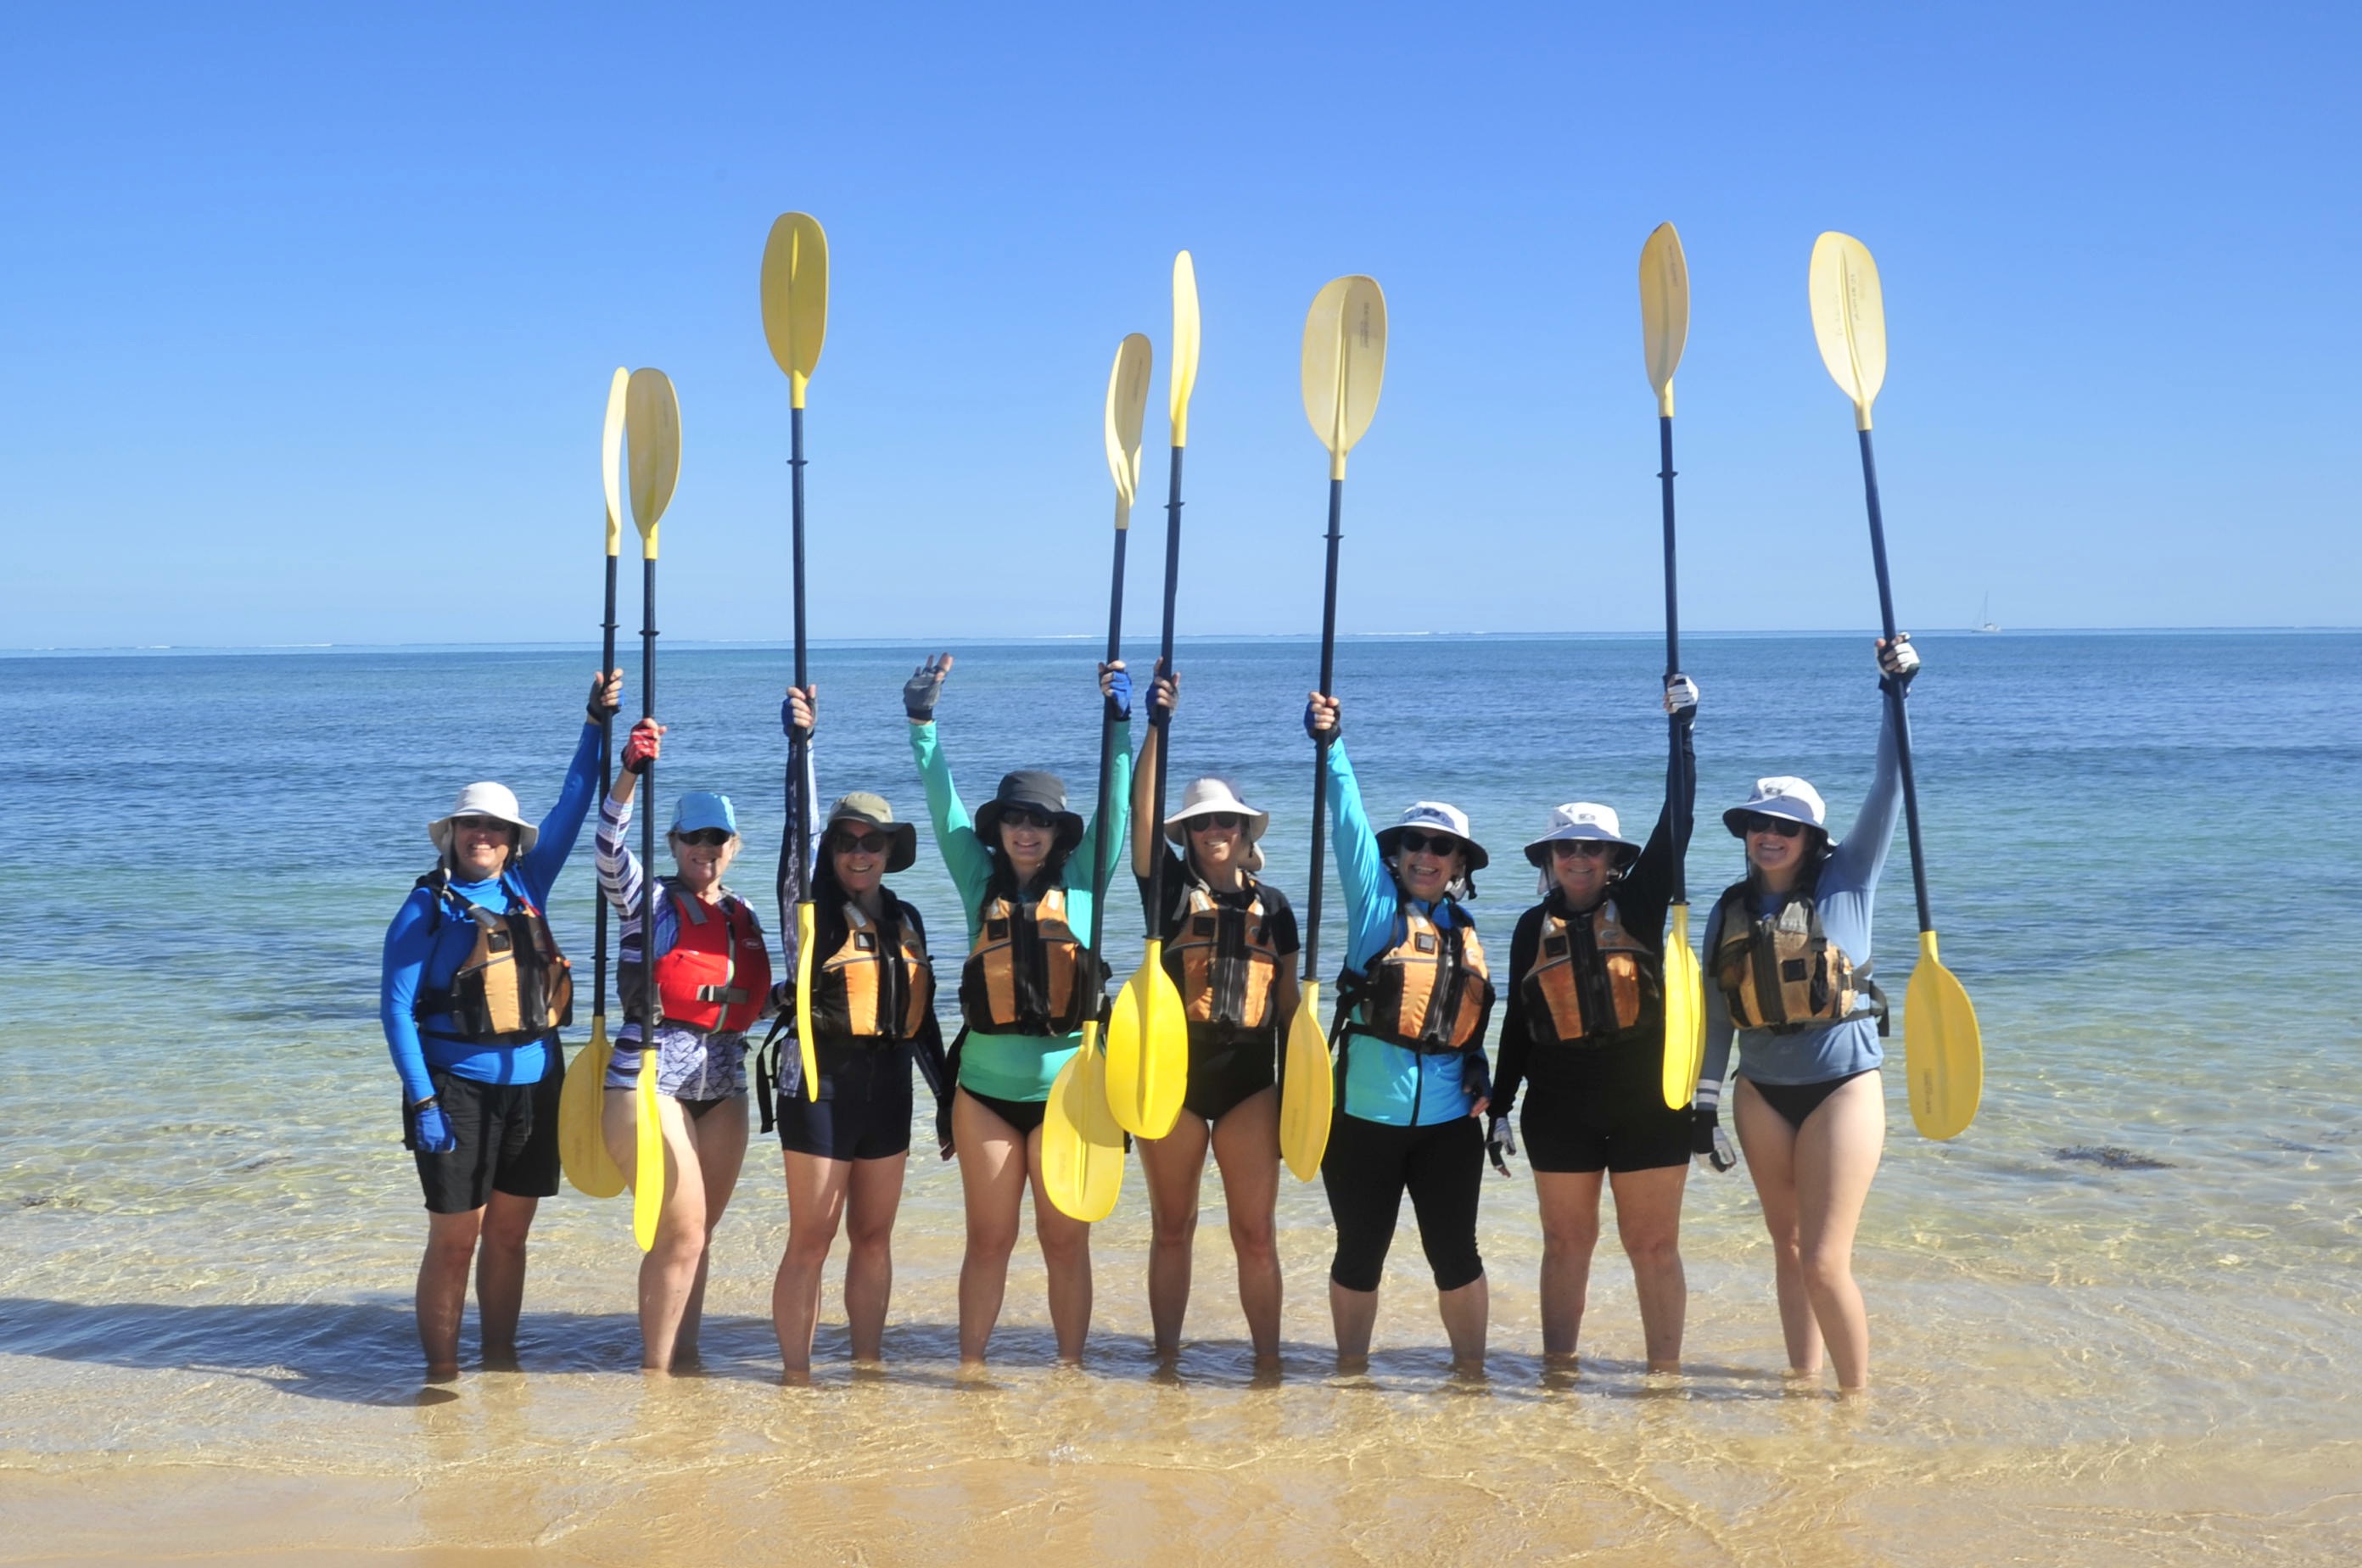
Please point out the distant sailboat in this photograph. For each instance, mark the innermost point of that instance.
(1984, 618)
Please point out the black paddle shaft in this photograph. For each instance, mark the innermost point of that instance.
(1895, 689)
(1321, 757)
(606, 781)
(1099, 849)
(799, 744)
(648, 822)
(1160, 719)
(1676, 779)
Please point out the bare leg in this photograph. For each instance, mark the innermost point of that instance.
(992, 1180)
(720, 1138)
(877, 1194)
(1354, 1314)
(442, 1288)
(1246, 1148)
(1066, 1245)
(1837, 1155)
(816, 1200)
(1570, 1213)
(669, 1269)
(1649, 1222)
(1465, 1313)
(1176, 1167)
(500, 1273)
(1769, 1144)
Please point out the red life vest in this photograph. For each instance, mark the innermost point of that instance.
(717, 973)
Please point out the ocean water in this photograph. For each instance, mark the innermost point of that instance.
(2117, 1315)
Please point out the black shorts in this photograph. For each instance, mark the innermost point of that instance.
(1600, 1109)
(863, 1111)
(1367, 1169)
(1227, 1067)
(1024, 1115)
(506, 1138)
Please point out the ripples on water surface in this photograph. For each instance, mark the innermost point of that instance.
(2117, 1317)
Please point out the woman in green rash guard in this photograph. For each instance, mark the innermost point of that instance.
(1022, 865)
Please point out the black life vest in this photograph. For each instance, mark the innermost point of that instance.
(1027, 973)
(1593, 977)
(1430, 992)
(878, 986)
(1221, 959)
(1781, 971)
(514, 986)
(716, 975)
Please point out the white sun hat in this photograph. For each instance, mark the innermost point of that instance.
(484, 800)
(1579, 819)
(1779, 797)
(1208, 796)
(1434, 816)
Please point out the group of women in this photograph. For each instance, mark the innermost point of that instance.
(475, 991)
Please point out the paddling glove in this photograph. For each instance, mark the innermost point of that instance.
(1321, 737)
(600, 709)
(1681, 697)
(788, 715)
(919, 694)
(432, 1132)
(1706, 1138)
(1898, 663)
(1500, 1143)
(1118, 684)
(642, 748)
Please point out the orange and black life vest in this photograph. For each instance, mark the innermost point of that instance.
(1430, 991)
(879, 984)
(1781, 971)
(1591, 977)
(1027, 973)
(513, 987)
(1222, 959)
(716, 975)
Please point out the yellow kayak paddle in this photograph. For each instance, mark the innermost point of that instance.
(1082, 1144)
(1344, 366)
(1665, 331)
(581, 1150)
(1148, 1033)
(1943, 1050)
(795, 320)
(652, 425)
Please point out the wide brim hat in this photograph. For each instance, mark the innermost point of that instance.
(1779, 797)
(871, 811)
(1581, 820)
(484, 800)
(1211, 795)
(1030, 787)
(1436, 816)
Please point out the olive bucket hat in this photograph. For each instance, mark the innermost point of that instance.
(872, 811)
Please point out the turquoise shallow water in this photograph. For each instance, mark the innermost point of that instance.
(2143, 867)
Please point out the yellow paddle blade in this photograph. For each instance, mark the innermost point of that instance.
(1307, 1097)
(1127, 404)
(1684, 1015)
(648, 1160)
(651, 424)
(1849, 319)
(1081, 1148)
(1943, 1054)
(804, 940)
(1665, 313)
(581, 1150)
(1148, 1051)
(1344, 362)
(795, 297)
(1185, 345)
(611, 454)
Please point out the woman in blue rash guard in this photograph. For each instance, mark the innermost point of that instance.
(1787, 968)
(1413, 1004)
(473, 993)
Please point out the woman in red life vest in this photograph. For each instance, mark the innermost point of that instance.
(712, 980)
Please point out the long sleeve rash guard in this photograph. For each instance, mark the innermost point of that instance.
(423, 948)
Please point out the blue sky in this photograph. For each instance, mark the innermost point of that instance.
(310, 311)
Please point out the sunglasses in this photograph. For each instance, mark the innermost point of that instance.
(1580, 849)
(844, 841)
(483, 825)
(705, 838)
(1784, 827)
(1026, 816)
(1230, 821)
(1413, 842)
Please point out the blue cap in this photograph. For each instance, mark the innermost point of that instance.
(703, 809)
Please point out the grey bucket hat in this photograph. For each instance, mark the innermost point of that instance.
(871, 811)
(1045, 792)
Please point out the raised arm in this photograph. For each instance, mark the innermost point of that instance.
(563, 826)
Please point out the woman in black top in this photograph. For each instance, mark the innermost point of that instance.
(1230, 940)
(1585, 1032)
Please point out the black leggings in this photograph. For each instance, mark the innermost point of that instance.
(1367, 1169)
